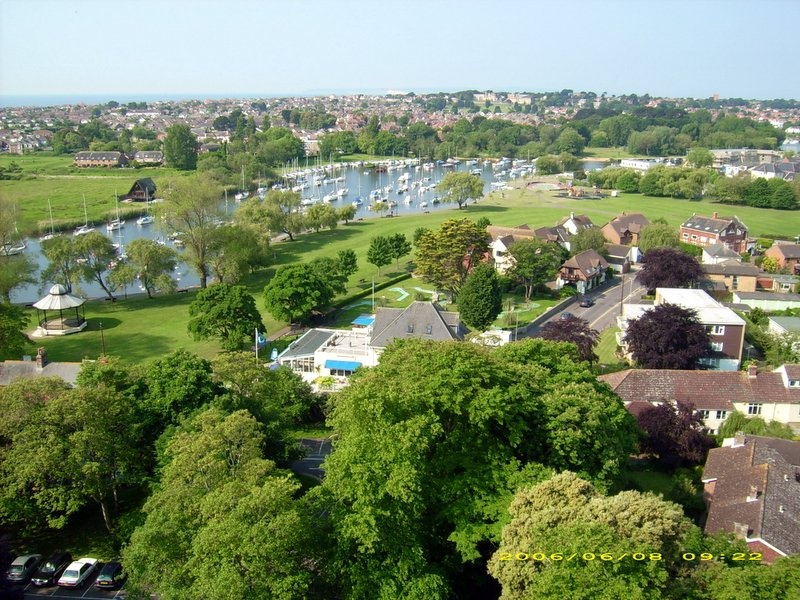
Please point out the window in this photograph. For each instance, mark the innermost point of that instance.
(735, 282)
(754, 408)
(694, 237)
(428, 329)
(716, 329)
(686, 236)
(794, 383)
(722, 414)
(410, 328)
(716, 346)
(704, 414)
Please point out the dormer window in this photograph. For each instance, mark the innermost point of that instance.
(410, 328)
(794, 383)
(428, 329)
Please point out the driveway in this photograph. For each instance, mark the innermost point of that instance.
(315, 452)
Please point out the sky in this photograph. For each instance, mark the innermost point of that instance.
(252, 48)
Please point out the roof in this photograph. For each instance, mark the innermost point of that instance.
(787, 323)
(363, 320)
(757, 485)
(768, 296)
(711, 224)
(788, 251)
(89, 155)
(553, 234)
(709, 311)
(633, 222)
(11, 370)
(707, 390)
(581, 221)
(58, 299)
(520, 232)
(308, 343)
(732, 267)
(343, 365)
(717, 250)
(618, 250)
(426, 320)
(587, 262)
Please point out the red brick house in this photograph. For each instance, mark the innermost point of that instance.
(625, 229)
(584, 271)
(704, 231)
(787, 255)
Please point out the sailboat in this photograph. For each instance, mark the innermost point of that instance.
(147, 218)
(84, 229)
(52, 234)
(116, 223)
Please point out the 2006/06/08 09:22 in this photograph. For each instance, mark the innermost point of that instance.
(616, 557)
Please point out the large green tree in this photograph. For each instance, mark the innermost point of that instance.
(591, 238)
(191, 207)
(62, 258)
(534, 263)
(401, 246)
(95, 253)
(658, 235)
(295, 291)
(446, 256)
(566, 520)
(480, 300)
(149, 263)
(459, 187)
(419, 474)
(226, 312)
(13, 322)
(180, 147)
(380, 252)
(282, 212)
(177, 384)
(15, 270)
(223, 522)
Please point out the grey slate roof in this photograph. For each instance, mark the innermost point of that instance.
(720, 251)
(710, 224)
(732, 267)
(426, 320)
(307, 344)
(11, 370)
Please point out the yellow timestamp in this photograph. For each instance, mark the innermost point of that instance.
(580, 556)
(705, 556)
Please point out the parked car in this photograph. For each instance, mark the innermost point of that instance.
(566, 316)
(111, 576)
(50, 570)
(23, 567)
(77, 572)
(587, 302)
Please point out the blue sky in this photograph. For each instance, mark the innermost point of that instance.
(264, 47)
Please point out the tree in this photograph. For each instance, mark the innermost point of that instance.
(149, 263)
(770, 264)
(480, 300)
(62, 258)
(548, 165)
(321, 215)
(295, 291)
(13, 322)
(575, 331)
(588, 239)
(237, 250)
(446, 256)
(15, 270)
(739, 422)
(346, 213)
(177, 384)
(347, 262)
(658, 235)
(226, 312)
(570, 141)
(564, 517)
(667, 336)
(535, 263)
(282, 214)
(180, 147)
(94, 253)
(80, 445)
(674, 433)
(417, 473)
(669, 268)
(400, 245)
(191, 206)
(699, 157)
(223, 521)
(459, 187)
(723, 581)
(380, 252)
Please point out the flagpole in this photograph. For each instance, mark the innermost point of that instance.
(255, 339)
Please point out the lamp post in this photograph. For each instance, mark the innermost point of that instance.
(102, 340)
(622, 294)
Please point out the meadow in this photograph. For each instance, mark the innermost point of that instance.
(138, 329)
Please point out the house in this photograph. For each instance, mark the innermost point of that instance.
(100, 159)
(625, 229)
(584, 271)
(717, 253)
(787, 255)
(752, 489)
(340, 352)
(501, 240)
(784, 325)
(149, 157)
(704, 231)
(642, 165)
(788, 170)
(771, 395)
(575, 223)
(142, 190)
(725, 327)
(556, 235)
(619, 258)
(733, 274)
(767, 301)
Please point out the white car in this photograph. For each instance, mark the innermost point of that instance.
(77, 572)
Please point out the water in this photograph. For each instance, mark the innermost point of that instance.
(419, 198)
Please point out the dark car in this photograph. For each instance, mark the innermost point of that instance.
(50, 570)
(23, 567)
(566, 316)
(587, 302)
(111, 576)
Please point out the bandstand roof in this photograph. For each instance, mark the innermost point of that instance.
(58, 299)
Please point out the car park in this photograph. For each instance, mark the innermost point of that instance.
(77, 572)
(20, 570)
(51, 569)
(586, 302)
(111, 576)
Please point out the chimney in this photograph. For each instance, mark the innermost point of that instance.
(754, 494)
(740, 530)
(714, 215)
(41, 358)
(738, 440)
(752, 371)
(571, 215)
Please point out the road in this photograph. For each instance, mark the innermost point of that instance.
(87, 591)
(311, 465)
